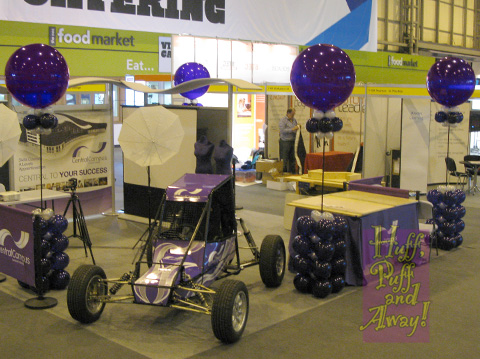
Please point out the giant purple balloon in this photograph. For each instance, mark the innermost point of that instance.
(450, 81)
(37, 75)
(322, 77)
(191, 71)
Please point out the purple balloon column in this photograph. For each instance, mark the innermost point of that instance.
(447, 216)
(191, 71)
(323, 77)
(53, 244)
(319, 258)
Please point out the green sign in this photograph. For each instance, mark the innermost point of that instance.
(91, 51)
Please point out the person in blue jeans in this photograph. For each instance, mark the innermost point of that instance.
(288, 128)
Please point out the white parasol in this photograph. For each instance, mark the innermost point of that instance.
(9, 133)
(151, 135)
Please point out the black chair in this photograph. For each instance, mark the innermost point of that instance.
(462, 177)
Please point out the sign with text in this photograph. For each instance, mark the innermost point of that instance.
(17, 244)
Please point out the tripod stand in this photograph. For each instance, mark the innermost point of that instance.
(79, 221)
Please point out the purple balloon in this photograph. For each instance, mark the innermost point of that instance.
(451, 81)
(59, 279)
(322, 77)
(37, 75)
(191, 71)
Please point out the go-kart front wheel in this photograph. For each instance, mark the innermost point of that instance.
(272, 261)
(230, 311)
(83, 291)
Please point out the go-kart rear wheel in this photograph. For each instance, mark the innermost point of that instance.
(230, 311)
(83, 291)
(272, 261)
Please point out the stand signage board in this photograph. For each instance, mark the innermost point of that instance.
(17, 244)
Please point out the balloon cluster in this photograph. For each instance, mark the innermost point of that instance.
(450, 82)
(191, 71)
(324, 124)
(323, 77)
(41, 122)
(53, 244)
(320, 254)
(447, 216)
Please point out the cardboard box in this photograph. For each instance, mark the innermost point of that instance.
(267, 165)
(277, 185)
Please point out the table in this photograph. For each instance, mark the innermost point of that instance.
(476, 166)
(333, 161)
(330, 179)
(362, 211)
(34, 196)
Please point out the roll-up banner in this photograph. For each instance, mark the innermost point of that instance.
(348, 24)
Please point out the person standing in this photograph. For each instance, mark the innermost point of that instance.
(288, 128)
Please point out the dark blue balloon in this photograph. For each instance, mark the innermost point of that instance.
(338, 283)
(451, 81)
(461, 212)
(305, 225)
(44, 247)
(325, 250)
(441, 116)
(447, 243)
(37, 75)
(450, 213)
(337, 124)
(30, 122)
(191, 71)
(60, 260)
(58, 223)
(48, 120)
(434, 196)
(322, 77)
(459, 226)
(460, 196)
(322, 288)
(339, 266)
(458, 240)
(45, 266)
(301, 264)
(325, 125)
(448, 228)
(454, 117)
(340, 226)
(59, 279)
(325, 229)
(340, 248)
(312, 125)
(302, 245)
(59, 243)
(303, 283)
(321, 269)
(450, 198)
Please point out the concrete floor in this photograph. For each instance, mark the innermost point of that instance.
(282, 322)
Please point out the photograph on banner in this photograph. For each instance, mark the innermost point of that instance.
(79, 147)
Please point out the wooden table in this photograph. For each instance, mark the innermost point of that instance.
(363, 211)
(330, 180)
(333, 161)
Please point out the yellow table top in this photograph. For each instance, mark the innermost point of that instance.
(337, 183)
(351, 203)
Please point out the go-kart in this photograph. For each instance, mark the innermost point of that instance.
(192, 242)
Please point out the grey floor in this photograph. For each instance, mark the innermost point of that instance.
(282, 322)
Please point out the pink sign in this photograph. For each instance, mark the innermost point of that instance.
(396, 295)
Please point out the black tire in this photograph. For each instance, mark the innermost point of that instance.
(230, 311)
(272, 261)
(83, 291)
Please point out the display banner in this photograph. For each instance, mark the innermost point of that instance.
(349, 24)
(17, 244)
(77, 148)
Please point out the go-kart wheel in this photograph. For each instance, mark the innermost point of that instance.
(272, 261)
(230, 311)
(83, 291)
